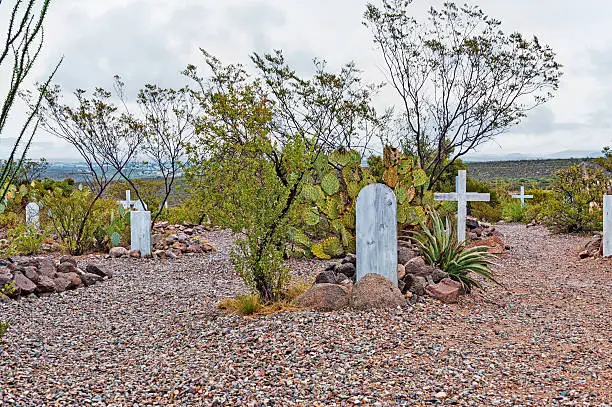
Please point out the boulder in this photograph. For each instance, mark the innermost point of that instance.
(471, 223)
(494, 243)
(418, 267)
(324, 297)
(375, 291)
(117, 252)
(45, 285)
(23, 285)
(208, 248)
(46, 267)
(6, 276)
(97, 270)
(446, 290)
(89, 278)
(401, 271)
(67, 281)
(415, 284)
(326, 277)
(68, 259)
(66, 267)
(404, 255)
(348, 269)
(135, 254)
(31, 272)
(438, 275)
(350, 258)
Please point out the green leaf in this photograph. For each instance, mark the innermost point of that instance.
(419, 177)
(330, 183)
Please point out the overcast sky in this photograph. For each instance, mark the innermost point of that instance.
(151, 41)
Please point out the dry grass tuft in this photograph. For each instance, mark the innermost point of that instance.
(250, 304)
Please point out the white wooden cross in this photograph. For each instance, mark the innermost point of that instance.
(522, 196)
(462, 198)
(129, 204)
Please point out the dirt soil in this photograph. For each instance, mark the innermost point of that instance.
(152, 336)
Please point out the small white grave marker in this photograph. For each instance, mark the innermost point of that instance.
(462, 197)
(32, 212)
(522, 196)
(376, 223)
(140, 232)
(607, 225)
(129, 204)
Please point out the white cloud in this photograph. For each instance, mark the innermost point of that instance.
(153, 40)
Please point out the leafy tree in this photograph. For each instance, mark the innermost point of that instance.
(461, 80)
(257, 141)
(576, 199)
(106, 138)
(18, 54)
(168, 128)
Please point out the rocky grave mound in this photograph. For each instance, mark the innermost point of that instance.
(171, 241)
(40, 276)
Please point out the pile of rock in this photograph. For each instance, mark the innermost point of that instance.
(335, 287)
(484, 234)
(170, 241)
(42, 276)
(593, 247)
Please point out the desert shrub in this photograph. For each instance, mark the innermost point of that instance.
(575, 202)
(23, 240)
(513, 211)
(534, 209)
(440, 248)
(84, 223)
(9, 220)
(485, 211)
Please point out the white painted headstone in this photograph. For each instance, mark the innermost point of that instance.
(376, 224)
(607, 225)
(522, 196)
(32, 212)
(129, 204)
(140, 232)
(462, 197)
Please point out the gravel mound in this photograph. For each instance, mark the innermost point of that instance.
(152, 336)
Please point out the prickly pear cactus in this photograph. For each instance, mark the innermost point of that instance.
(326, 213)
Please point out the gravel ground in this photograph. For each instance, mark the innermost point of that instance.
(152, 336)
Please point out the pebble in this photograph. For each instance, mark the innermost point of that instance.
(153, 336)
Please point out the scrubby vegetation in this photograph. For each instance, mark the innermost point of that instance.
(438, 244)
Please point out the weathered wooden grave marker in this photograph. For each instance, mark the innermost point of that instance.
(32, 212)
(140, 232)
(607, 225)
(376, 224)
(462, 197)
(522, 196)
(129, 204)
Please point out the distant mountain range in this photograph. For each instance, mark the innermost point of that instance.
(520, 156)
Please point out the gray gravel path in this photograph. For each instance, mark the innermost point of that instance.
(152, 336)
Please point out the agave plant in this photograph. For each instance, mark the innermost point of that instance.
(440, 248)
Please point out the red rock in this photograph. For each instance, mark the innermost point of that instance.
(135, 254)
(584, 254)
(208, 248)
(494, 243)
(324, 297)
(375, 291)
(23, 284)
(446, 290)
(66, 267)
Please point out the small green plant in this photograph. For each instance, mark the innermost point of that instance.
(513, 211)
(23, 240)
(575, 202)
(440, 248)
(8, 289)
